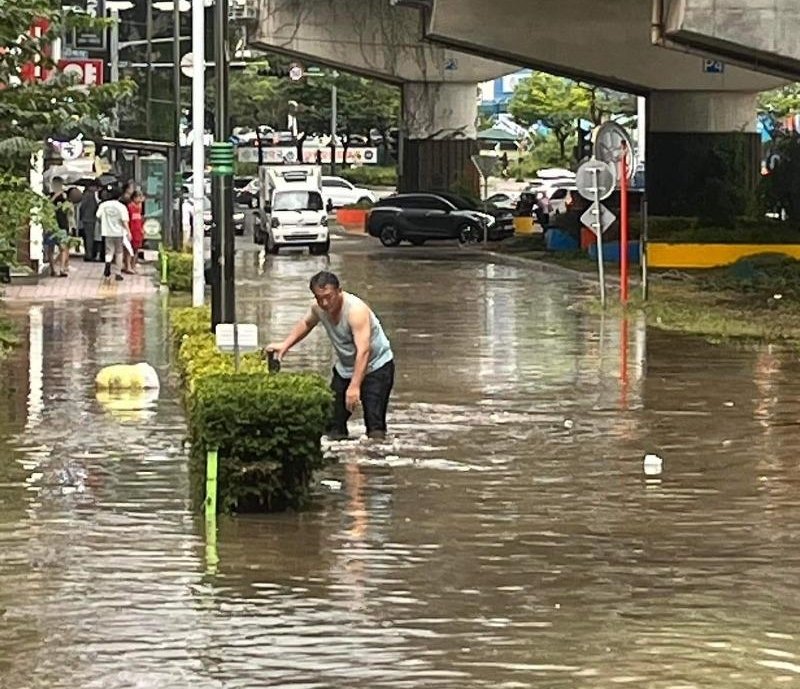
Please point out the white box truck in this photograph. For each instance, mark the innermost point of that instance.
(291, 208)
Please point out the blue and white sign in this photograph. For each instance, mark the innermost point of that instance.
(713, 66)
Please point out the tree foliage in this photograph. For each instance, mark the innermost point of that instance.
(559, 103)
(780, 102)
(32, 111)
(780, 189)
(362, 104)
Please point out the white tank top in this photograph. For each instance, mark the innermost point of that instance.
(341, 337)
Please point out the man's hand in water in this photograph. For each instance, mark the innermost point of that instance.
(352, 398)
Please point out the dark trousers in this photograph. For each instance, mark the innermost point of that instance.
(88, 241)
(375, 390)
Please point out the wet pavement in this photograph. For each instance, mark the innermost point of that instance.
(504, 536)
(85, 281)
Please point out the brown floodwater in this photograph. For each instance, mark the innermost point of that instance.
(504, 536)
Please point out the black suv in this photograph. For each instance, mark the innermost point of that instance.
(417, 218)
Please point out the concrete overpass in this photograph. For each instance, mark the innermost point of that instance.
(375, 39)
(760, 34)
(695, 110)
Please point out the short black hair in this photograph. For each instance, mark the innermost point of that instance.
(324, 279)
(112, 192)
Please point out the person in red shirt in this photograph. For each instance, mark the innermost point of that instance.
(136, 213)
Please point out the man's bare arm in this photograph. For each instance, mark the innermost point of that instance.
(360, 325)
(300, 331)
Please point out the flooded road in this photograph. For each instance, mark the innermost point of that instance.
(504, 536)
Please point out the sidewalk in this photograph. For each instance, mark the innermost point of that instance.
(85, 281)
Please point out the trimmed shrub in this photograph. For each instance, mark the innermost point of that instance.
(762, 275)
(680, 230)
(199, 356)
(179, 271)
(371, 176)
(189, 321)
(266, 428)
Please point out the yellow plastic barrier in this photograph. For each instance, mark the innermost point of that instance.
(127, 377)
(661, 255)
(523, 225)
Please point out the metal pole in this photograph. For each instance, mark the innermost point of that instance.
(641, 125)
(643, 249)
(114, 44)
(198, 152)
(222, 238)
(149, 83)
(113, 50)
(598, 228)
(623, 226)
(334, 118)
(167, 236)
(177, 227)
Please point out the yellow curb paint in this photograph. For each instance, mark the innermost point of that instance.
(663, 255)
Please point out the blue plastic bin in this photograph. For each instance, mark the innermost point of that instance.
(558, 240)
(611, 252)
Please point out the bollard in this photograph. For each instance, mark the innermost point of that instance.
(211, 482)
(212, 556)
(162, 257)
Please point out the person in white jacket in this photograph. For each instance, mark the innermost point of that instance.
(115, 228)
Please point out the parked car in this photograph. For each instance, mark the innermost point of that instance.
(562, 198)
(245, 191)
(208, 218)
(338, 192)
(504, 200)
(418, 218)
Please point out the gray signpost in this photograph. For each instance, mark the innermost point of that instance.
(595, 181)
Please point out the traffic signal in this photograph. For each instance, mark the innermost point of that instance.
(221, 157)
(583, 149)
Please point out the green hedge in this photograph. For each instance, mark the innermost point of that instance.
(179, 271)
(763, 275)
(267, 428)
(371, 176)
(190, 321)
(690, 230)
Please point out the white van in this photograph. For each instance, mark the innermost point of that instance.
(291, 208)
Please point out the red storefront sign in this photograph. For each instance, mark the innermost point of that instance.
(88, 72)
(33, 71)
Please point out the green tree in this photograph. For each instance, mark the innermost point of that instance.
(255, 99)
(552, 101)
(30, 112)
(780, 102)
(558, 103)
(364, 105)
(33, 111)
(605, 102)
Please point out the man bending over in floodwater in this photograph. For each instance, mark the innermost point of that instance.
(364, 369)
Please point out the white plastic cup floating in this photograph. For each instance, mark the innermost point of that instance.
(653, 465)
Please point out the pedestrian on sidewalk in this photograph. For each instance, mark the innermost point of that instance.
(56, 244)
(87, 219)
(136, 215)
(74, 196)
(364, 369)
(113, 217)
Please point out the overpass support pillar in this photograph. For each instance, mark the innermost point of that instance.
(703, 153)
(439, 129)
